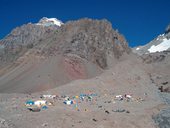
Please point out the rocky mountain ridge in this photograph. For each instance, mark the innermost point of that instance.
(21, 39)
(93, 40)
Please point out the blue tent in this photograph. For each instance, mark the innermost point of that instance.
(44, 107)
(29, 102)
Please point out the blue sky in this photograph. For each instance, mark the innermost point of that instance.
(138, 20)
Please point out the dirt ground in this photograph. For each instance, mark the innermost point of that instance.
(130, 76)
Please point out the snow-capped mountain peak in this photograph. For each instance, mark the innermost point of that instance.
(159, 44)
(49, 22)
(163, 46)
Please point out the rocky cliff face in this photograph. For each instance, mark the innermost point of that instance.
(93, 40)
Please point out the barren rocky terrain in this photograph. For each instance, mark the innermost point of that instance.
(96, 80)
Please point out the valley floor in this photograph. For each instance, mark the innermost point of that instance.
(101, 110)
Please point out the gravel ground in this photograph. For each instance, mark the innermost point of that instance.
(163, 118)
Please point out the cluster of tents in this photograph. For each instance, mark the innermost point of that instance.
(44, 103)
(38, 105)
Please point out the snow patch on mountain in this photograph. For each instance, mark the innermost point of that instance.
(160, 44)
(165, 45)
(49, 22)
(137, 48)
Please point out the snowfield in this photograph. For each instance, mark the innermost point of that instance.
(165, 45)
